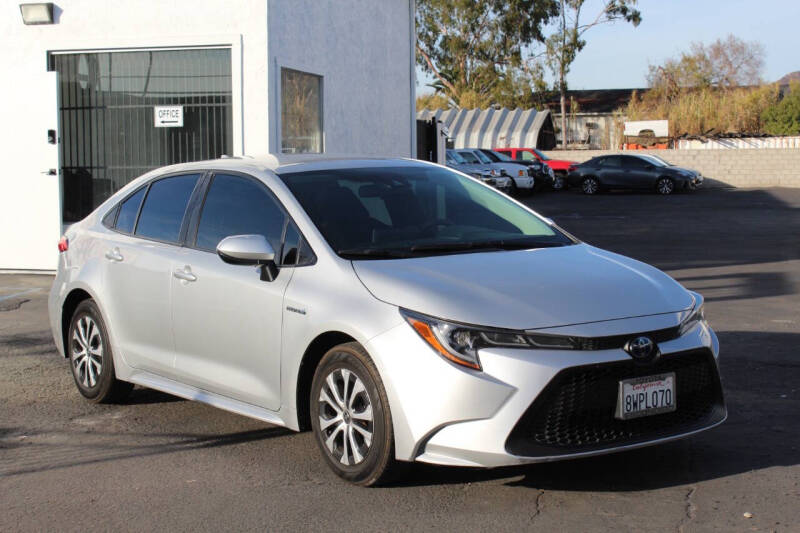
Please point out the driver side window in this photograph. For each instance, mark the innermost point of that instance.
(236, 205)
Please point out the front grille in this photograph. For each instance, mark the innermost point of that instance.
(618, 341)
(575, 412)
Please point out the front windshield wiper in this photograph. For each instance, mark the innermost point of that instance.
(502, 244)
(372, 253)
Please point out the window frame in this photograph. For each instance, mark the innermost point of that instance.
(279, 97)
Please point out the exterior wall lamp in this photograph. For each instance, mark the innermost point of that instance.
(37, 13)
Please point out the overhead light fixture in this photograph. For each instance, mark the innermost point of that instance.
(37, 13)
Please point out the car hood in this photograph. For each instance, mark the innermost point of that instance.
(685, 172)
(525, 289)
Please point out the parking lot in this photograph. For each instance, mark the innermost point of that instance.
(162, 462)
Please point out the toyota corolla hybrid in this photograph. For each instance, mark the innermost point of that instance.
(400, 310)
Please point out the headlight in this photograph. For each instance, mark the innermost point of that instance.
(697, 316)
(493, 172)
(550, 172)
(460, 343)
(521, 173)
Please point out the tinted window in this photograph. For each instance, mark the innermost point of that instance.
(428, 208)
(295, 250)
(613, 161)
(128, 210)
(164, 206)
(469, 157)
(236, 205)
(635, 163)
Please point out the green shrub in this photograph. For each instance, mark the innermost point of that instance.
(783, 118)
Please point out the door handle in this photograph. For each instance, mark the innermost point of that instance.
(184, 274)
(114, 255)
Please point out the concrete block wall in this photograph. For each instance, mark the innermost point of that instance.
(733, 168)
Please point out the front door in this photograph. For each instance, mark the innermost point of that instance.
(226, 320)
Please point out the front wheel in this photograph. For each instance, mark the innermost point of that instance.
(665, 186)
(559, 182)
(90, 356)
(350, 416)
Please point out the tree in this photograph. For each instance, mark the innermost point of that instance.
(728, 62)
(783, 118)
(477, 50)
(432, 101)
(563, 45)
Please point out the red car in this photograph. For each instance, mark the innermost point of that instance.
(560, 167)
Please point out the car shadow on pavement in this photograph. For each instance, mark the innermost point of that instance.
(145, 396)
(48, 451)
(761, 379)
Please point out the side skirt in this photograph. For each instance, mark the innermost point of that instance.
(188, 392)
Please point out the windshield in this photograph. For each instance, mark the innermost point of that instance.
(454, 158)
(411, 211)
(469, 157)
(541, 155)
(501, 157)
(483, 157)
(654, 159)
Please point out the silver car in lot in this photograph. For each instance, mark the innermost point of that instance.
(400, 310)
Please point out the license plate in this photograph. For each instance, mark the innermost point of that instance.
(645, 396)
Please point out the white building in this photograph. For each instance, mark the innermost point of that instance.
(101, 92)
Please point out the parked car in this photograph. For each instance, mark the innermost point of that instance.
(520, 179)
(542, 174)
(387, 305)
(639, 172)
(478, 170)
(560, 167)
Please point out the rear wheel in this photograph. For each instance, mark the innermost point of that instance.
(350, 416)
(665, 186)
(90, 356)
(590, 185)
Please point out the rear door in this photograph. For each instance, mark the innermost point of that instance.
(138, 255)
(611, 173)
(226, 320)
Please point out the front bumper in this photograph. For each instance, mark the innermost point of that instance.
(444, 414)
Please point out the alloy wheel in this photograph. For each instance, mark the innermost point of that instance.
(345, 417)
(590, 186)
(665, 186)
(87, 351)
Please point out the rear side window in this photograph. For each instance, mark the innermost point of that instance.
(526, 156)
(128, 211)
(236, 205)
(613, 161)
(635, 163)
(164, 207)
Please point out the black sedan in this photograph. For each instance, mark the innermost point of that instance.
(642, 172)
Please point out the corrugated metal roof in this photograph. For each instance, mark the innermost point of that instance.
(490, 128)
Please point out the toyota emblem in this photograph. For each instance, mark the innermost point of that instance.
(642, 348)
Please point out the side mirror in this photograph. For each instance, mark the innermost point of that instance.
(249, 250)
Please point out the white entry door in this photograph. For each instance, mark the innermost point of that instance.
(30, 205)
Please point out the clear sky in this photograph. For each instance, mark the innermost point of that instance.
(617, 55)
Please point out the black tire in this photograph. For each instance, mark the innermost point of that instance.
(513, 190)
(590, 185)
(559, 181)
(87, 328)
(665, 186)
(377, 461)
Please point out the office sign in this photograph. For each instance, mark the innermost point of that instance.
(168, 116)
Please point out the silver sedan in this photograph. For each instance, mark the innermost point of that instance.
(400, 310)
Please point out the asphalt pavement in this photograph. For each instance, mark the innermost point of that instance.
(159, 462)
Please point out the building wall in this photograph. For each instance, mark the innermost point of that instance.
(365, 58)
(362, 49)
(737, 168)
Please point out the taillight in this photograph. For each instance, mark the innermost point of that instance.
(63, 244)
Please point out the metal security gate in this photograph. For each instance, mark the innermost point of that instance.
(107, 126)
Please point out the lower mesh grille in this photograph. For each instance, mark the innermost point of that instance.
(575, 412)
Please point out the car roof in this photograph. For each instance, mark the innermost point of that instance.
(290, 163)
